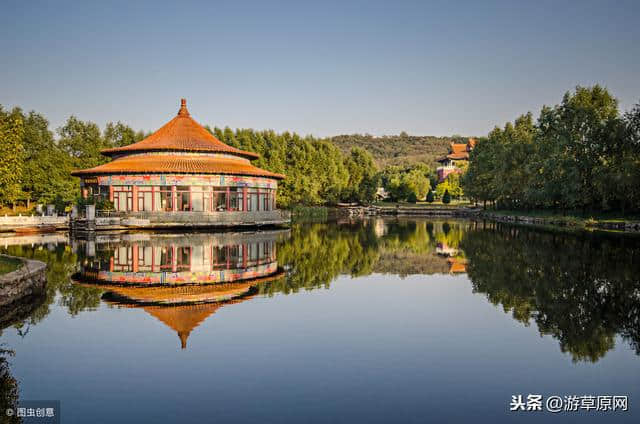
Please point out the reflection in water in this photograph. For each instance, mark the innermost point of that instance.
(8, 387)
(180, 258)
(180, 279)
(582, 289)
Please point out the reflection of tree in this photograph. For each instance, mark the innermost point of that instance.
(8, 388)
(316, 254)
(61, 263)
(582, 289)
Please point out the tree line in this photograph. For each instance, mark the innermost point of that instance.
(36, 162)
(317, 172)
(35, 165)
(580, 155)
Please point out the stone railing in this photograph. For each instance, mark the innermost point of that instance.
(118, 221)
(207, 218)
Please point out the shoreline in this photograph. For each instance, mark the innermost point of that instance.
(562, 222)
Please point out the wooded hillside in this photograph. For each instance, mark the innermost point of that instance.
(400, 149)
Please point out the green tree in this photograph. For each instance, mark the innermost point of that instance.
(430, 196)
(11, 157)
(363, 177)
(119, 135)
(446, 197)
(82, 142)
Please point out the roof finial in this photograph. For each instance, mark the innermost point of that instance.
(183, 338)
(183, 108)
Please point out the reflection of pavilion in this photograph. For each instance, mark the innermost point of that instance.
(457, 265)
(181, 258)
(182, 307)
(181, 279)
(443, 249)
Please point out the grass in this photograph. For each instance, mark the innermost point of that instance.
(309, 213)
(8, 265)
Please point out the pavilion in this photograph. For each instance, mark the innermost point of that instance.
(458, 156)
(183, 174)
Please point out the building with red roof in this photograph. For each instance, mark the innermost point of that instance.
(458, 155)
(182, 168)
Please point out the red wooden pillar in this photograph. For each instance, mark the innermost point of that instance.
(244, 198)
(174, 258)
(244, 255)
(134, 254)
(174, 199)
(135, 199)
(228, 198)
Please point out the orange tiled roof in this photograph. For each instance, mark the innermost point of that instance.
(181, 164)
(458, 148)
(182, 133)
(458, 155)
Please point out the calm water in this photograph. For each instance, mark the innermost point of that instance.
(377, 321)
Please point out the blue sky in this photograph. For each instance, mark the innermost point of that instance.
(316, 67)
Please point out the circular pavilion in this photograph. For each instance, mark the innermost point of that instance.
(183, 170)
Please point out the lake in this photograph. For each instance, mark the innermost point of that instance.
(376, 321)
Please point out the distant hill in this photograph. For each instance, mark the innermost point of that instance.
(400, 149)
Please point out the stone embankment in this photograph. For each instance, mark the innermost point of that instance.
(29, 280)
(354, 212)
(627, 226)
(9, 223)
(364, 211)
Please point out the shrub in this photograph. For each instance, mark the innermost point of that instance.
(446, 198)
(430, 196)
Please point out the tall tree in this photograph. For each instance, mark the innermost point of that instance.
(119, 135)
(82, 141)
(11, 157)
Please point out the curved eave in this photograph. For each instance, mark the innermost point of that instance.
(123, 151)
(177, 164)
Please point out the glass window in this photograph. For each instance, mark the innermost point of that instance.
(166, 257)
(221, 201)
(166, 200)
(252, 201)
(206, 199)
(235, 199)
(123, 198)
(144, 200)
(264, 203)
(197, 199)
(183, 256)
(184, 198)
(157, 201)
(221, 256)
